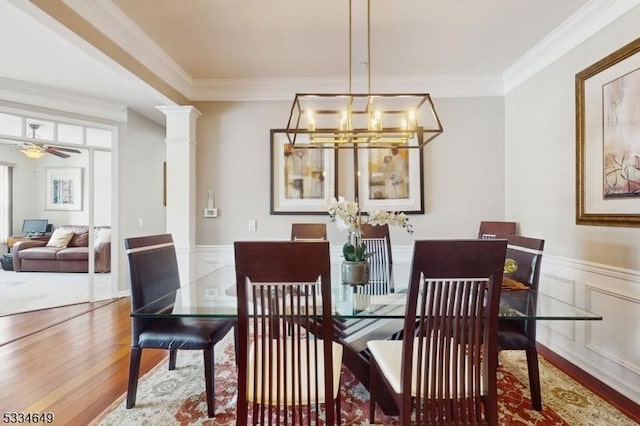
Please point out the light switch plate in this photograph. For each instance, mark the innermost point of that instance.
(211, 212)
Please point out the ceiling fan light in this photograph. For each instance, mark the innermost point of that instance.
(33, 154)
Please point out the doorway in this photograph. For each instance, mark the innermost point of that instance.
(72, 191)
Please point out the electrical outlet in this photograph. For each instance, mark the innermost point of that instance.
(140, 222)
(211, 293)
(253, 225)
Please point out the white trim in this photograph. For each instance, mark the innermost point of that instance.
(591, 18)
(440, 86)
(47, 97)
(601, 348)
(615, 272)
(606, 352)
(115, 24)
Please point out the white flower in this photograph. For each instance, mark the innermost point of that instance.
(342, 224)
(347, 216)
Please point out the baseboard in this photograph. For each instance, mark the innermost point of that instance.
(604, 391)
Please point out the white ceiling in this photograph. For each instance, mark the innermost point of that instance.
(220, 49)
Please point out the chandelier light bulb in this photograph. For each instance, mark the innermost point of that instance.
(311, 124)
(413, 124)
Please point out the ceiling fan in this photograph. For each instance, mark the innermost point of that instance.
(37, 150)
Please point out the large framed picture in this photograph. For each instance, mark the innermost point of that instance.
(303, 180)
(607, 142)
(64, 188)
(391, 180)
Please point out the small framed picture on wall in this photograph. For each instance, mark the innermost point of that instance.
(63, 188)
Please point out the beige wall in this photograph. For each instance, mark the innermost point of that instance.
(141, 153)
(464, 181)
(540, 153)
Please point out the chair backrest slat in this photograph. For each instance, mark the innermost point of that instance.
(378, 241)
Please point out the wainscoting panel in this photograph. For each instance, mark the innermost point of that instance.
(210, 258)
(616, 311)
(609, 349)
(562, 289)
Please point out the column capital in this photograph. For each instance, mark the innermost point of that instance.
(170, 110)
(180, 123)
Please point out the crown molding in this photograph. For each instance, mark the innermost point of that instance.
(47, 97)
(591, 18)
(106, 17)
(110, 20)
(442, 86)
(260, 89)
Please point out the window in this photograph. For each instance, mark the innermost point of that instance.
(25, 128)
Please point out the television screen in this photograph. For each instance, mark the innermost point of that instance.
(34, 226)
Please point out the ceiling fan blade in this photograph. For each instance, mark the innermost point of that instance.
(59, 148)
(55, 152)
(31, 147)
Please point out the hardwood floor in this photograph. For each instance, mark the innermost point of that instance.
(74, 361)
(16, 326)
(75, 367)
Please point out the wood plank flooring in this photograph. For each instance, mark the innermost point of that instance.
(75, 367)
(74, 362)
(16, 326)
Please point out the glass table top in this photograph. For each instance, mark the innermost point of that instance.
(214, 296)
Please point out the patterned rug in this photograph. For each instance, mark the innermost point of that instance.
(177, 397)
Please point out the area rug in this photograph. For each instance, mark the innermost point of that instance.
(177, 397)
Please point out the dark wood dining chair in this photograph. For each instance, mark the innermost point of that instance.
(308, 231)
(356, 332)
(378, 241)
(289, 364)
(521, 335)
(444, 369)
(495, 229)
(153, 268)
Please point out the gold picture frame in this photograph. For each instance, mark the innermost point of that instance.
(607, 153)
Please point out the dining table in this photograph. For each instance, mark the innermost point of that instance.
(213, 295)
(361, 312)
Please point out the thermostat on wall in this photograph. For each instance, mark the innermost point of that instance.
(211, 212)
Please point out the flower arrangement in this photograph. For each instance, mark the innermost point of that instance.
(347, 216)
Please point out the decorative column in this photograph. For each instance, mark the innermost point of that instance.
(181, 184)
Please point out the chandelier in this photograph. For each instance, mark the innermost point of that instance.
(362, 120)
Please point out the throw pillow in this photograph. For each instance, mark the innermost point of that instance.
(79, 240)
(103, 235)
(60, 238)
